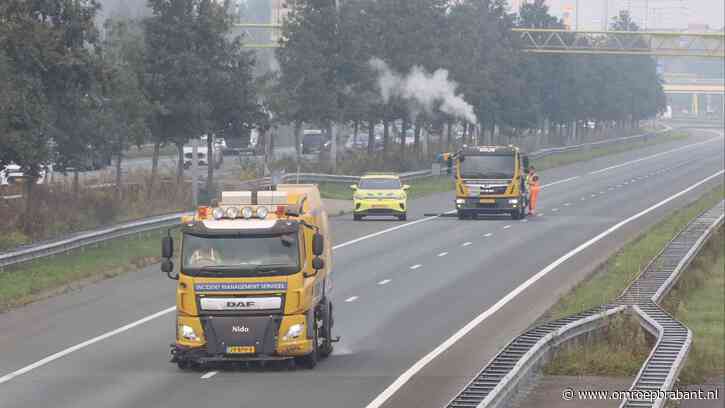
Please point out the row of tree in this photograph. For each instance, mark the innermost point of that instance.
(69, 91)
(325, 75)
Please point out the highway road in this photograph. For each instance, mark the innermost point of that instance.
(401, 291)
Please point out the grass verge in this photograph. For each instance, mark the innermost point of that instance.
(568, 158)
(418, 188)
(623, 347)
(46, 277)
(614, 276)
(698, 300)
(606, 352)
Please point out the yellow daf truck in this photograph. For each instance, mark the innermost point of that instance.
(254, 279)
(489, 180)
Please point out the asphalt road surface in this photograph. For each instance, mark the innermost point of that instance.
(400, 291)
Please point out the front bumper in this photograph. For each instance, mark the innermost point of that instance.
(491, 205)
(218, 333)
(379, 207)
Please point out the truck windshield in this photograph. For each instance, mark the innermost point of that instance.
(488, 166)
(240, 256)
(379, 184)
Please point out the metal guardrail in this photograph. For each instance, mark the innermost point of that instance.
(79, 240)
(497, 383)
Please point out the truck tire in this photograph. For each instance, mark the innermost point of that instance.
(357, 217)
(403, 217)
(461, 215)
(327, 324)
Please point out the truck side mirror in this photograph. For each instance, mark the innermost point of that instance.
(318, 244)
(449, 165)
(526, 163)
(167, 247)
(317, 263)
(406, 187)
(353, 187)
(167, 266)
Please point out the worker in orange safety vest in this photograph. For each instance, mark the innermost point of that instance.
(534, 187)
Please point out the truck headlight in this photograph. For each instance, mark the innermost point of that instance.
(514, 201)
(294, 331)
(218, 213)
(232, 212)
(262, 212)
(187, 332)
(460, 201)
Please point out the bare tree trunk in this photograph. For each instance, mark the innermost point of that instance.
(449, 136)
(403, 138)
(76, 182)
(416, 138)
(119, 158)
(356, 127)
(210, 164)
(154, 169)
(298, 138)
(386, 136)
(371, 136)
(28, 224)
(179, 165)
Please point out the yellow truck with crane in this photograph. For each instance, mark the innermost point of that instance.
(254, 279)
(489, 180)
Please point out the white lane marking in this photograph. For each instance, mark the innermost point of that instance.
(601, 192)
(540, 214)
(611, 188)
(209, 375)
(594, 195)
(506, 226)
(524, 220)
(420, 364)
(129, 326)
(79, 346)
(653, 156)
(567, 204)
(583, 198)
(351, 299)
(416, 266)
(554, 209)
(488, 234)
(560, 181)
(443, 254)
(384, 282)
(385, 231)
(626, 182)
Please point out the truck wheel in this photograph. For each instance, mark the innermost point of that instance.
(310, 361)
(403, 216)
(327, 322)
(357, 217)
(461, 215)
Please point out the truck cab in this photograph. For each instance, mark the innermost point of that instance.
(254, 279)
(489, 180)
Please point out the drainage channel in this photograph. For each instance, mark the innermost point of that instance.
(497, 383)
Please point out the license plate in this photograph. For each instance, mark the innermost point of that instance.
(487, 201)
(240, 349)
(379, 206)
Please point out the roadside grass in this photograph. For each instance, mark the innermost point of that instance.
(418, 188)
(622, 346)
(605, 352)
(612, 278)
(568, 158)
(31, 281)
(698, 300)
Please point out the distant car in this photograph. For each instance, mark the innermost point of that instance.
(362, 142)
(203, 156)
(380, 194)
(11, 174)
(315, 141)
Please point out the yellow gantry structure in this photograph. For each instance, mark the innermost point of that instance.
(680, 44)
(560, 41)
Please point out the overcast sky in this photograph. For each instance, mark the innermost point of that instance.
(662, 13)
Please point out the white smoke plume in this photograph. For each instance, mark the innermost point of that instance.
(424, 88)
